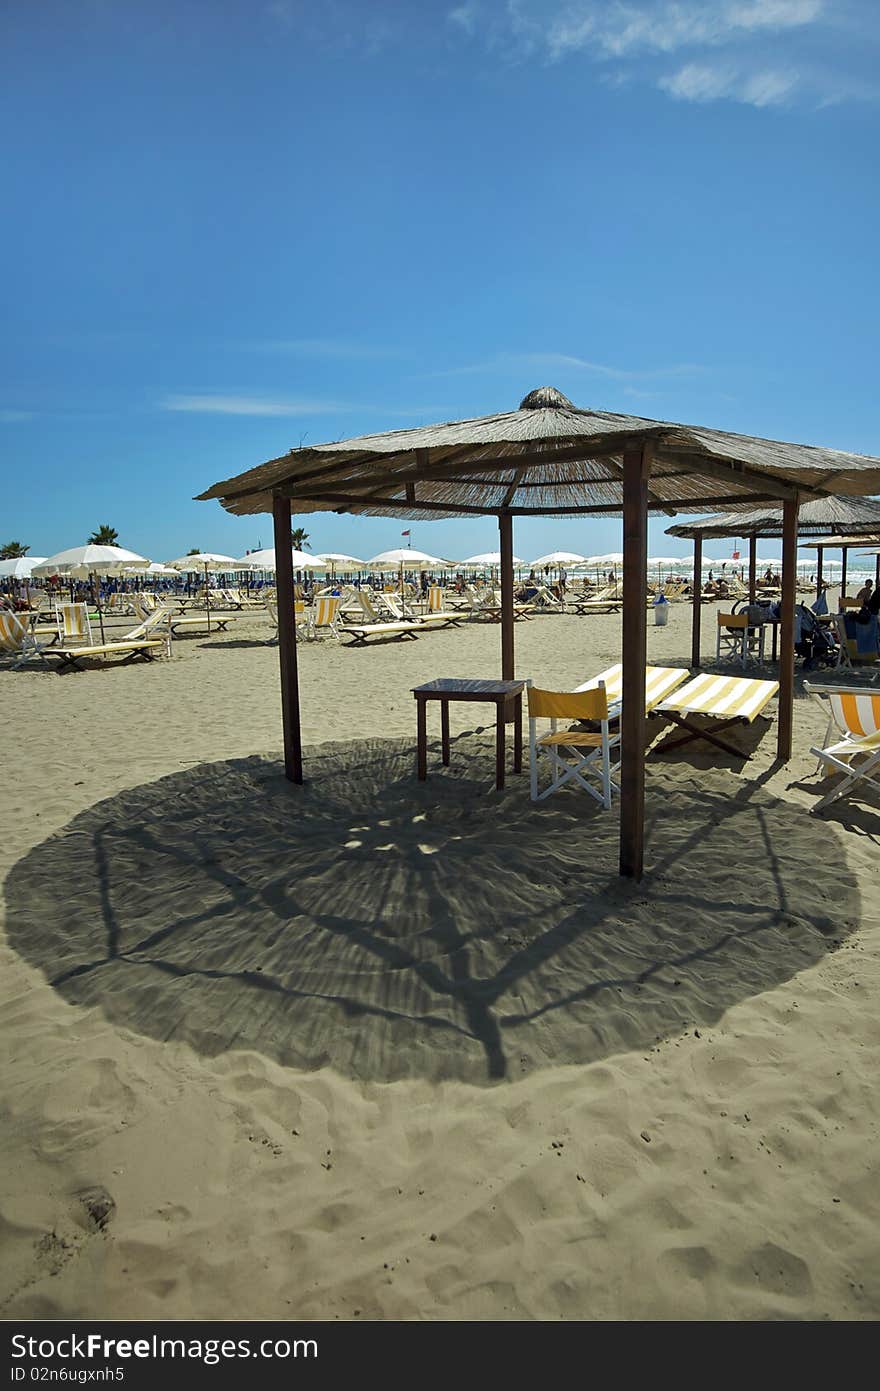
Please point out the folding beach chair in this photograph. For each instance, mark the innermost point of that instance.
(17, 640)
(739, 638)
(589, 753)
(855, 712)
(299, 617)
(725, 699)
(73, 624)
(324, 617)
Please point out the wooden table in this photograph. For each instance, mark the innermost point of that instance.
(502, 694)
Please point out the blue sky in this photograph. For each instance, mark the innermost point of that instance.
(234, 227)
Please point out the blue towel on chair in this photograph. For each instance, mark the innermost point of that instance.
(867, 637)
(821, 604)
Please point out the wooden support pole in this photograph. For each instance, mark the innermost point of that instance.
(753, 568)
(844, 551)
(877, 572)
(636, 471)
(820, 556)
(698, 602)
(287, 640)
(786, 634)
(505, 529)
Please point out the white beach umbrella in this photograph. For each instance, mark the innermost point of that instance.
(209, 560)
(401, 560)
(81, 561)
(265, 560)
(155, 567)
(21, 568)
(560, 558)
(408, 558)
(334, 561)
(489, 560)
(85, 562)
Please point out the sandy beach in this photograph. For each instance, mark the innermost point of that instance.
(390, 1050)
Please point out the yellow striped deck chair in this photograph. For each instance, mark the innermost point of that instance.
(588, 753)
(855, 713)
(726, 699)
(324, 616)
(73, 624)
(18, 641)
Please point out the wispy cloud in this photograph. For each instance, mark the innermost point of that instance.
(540, 362)
(216, 404)
(220, 403)
(703, 82)
(10, 417)
(618, 31)
(738, 50)
(465, 17)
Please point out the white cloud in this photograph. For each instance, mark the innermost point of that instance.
(218, 403)
(705, 82)
(565, 362)
(249, 405)
(465, 17)
(750, 51)
(664, 26)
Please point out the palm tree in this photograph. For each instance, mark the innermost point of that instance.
(194, 550)
(12, 550)
(106, 535)
(299, 538)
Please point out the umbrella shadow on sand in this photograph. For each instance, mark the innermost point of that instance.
(390, 928)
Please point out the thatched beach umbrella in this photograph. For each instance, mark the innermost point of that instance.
(550, 458)
(817, 516)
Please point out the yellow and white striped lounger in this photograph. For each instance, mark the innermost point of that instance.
(659, 682)
(727, 699)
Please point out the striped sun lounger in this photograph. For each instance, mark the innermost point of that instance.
(727, 699)
(659, 683)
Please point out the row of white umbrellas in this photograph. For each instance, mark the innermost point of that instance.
(82, 561)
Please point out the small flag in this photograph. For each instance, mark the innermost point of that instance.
(404, 533)
(736, 555)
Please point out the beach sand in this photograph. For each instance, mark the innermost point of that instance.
(382, 1049)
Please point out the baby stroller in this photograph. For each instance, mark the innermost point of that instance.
(812, 641)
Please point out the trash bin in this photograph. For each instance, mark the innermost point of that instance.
(661, 610)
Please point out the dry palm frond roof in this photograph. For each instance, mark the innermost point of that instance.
(549, 457)
(844, 542)
(826, 516)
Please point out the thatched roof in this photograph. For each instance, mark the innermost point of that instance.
(817, 517)
(846, 542)
(548, 458)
